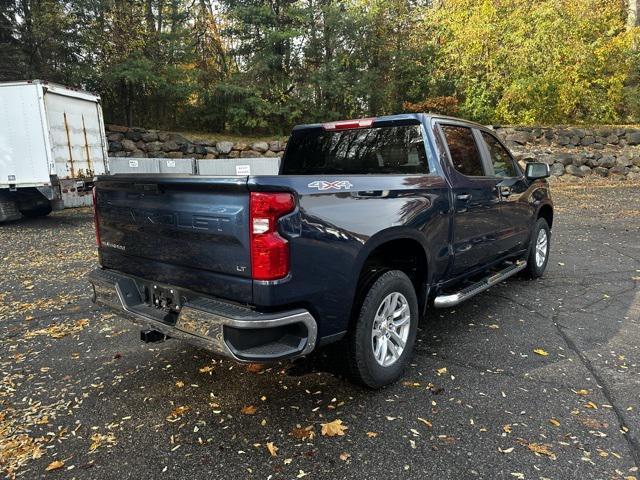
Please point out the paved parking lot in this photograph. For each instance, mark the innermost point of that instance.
(81, 395)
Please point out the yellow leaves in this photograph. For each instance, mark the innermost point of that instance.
(554, 422)
(306, 433)
(273, 450)
(372, 434)
(180, 384)
(177, 413)
(55, 465)
(208, 369)
(59, 330)
(582, 392)
(248, 410)
(542, 449)
(441, 371)
(426, 422)
(506, 428)
(540, 352)
(591, 405)
(332, 429)
(344, 456)
(98, 439)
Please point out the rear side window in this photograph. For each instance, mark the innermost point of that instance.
(502, 162)
(367, 150)
(464, 151)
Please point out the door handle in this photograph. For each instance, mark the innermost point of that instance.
(463, 197)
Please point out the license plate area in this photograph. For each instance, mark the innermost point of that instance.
(164, 299)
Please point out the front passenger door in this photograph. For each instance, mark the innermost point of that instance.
(512, 188)
(477, 217)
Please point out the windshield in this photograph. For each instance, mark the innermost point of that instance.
(368, 150)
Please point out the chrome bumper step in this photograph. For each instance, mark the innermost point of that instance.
(235, 331)
(453, 299)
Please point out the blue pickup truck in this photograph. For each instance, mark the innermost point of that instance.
(369, 222)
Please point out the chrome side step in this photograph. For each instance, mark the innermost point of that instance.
(453, 299)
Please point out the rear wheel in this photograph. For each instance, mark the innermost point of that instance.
(382, 339)
(538, 250)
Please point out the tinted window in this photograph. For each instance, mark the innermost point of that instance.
(366, 150)
(464, 152)
(502, 162)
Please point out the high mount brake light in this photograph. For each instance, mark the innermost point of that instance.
(349, 124)
(269, 251)
(96, 223)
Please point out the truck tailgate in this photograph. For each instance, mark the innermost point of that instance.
(191, 232)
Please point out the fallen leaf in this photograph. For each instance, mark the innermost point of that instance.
(98, 439)
(177, 412)
(541, 352)
(426, 422)
(55, 465)
(248, 410)
(591, 405)
(255, 367)
(273, 450)
(372, 434)
(441, 371)
(179, 384)
(554, 422)
(344, 456)
(334, 428)
(207, 369)
(541, 449)
(306, 433)
(506, 428)
(582, 392)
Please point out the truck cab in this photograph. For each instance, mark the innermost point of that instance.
(368, 222)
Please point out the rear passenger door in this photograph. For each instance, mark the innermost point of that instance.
(477, 218)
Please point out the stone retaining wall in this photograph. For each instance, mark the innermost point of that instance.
(575, 152)
(138, 142)
(571, 152)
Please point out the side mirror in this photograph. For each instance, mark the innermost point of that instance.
(536, 170)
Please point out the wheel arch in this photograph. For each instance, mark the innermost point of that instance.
(546, 211)
(392, 249)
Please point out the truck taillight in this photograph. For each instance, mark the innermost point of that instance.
(95, 216)
(269, 251)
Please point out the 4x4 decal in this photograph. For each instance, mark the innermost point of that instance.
(335, 185)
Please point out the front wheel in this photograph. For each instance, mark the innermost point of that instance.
(382, 339)
(538, 250)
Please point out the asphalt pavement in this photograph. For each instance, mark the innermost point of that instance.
(529, 380)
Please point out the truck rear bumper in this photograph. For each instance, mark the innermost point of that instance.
(224, 328)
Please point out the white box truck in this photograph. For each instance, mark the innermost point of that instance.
(52, 144)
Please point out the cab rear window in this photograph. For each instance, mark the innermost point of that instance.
(378, 150)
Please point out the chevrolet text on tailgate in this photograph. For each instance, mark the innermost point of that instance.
(368, 223)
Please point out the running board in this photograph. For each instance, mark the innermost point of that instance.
(451, 300)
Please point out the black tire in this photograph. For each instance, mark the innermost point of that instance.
(363, 366)
(41, 211)
(533, 270)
